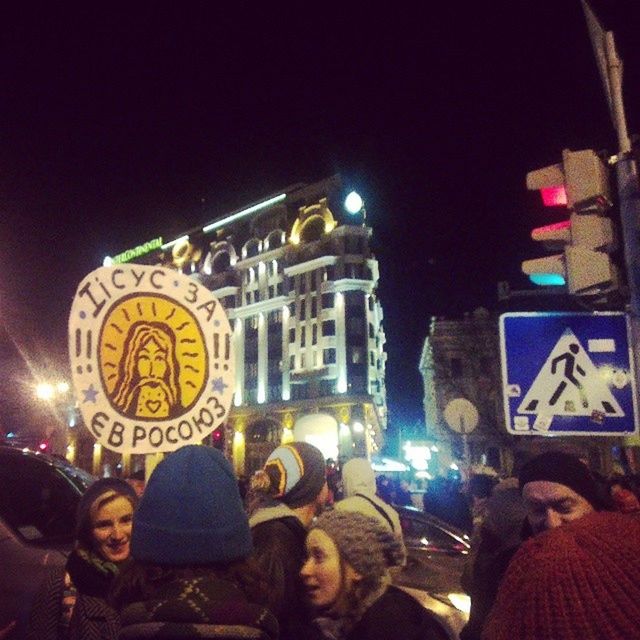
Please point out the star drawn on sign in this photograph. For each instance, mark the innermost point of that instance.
(90, 394)
(218, 385)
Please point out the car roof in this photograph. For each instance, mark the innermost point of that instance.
(428, 517)
(57, 462)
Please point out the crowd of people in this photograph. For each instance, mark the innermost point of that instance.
(555, 555)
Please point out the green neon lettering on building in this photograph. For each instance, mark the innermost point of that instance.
(138, 251)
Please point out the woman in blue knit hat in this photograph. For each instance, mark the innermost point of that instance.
(191, 574)
(72, 603)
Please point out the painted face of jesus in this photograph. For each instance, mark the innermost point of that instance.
(152, 360)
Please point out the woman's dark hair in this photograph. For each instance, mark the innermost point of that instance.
(140, 581)
(101, 492)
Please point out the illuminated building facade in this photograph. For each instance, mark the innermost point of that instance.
(297, 278)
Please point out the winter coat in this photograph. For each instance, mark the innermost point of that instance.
(359, 485)
(396, 616)
(89, 580)
(198, 607)
(278, 540)
(500, 537)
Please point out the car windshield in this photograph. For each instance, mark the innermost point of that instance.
(38, 498)
(431, 535)
(79, 477)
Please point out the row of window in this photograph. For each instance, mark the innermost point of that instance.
(357, 356)
(301, 284)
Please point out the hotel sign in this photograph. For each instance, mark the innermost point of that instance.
(136, 252)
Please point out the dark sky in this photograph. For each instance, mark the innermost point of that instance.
(122, 122)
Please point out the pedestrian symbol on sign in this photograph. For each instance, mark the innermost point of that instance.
(569, 384)
(569, 359)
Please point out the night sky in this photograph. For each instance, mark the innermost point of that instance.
(124, 122)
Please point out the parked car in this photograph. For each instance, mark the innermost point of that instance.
(39, 496)
(436, 554)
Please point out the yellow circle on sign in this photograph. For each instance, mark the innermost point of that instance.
(152, 357)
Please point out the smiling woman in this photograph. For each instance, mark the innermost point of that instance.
(71, 604)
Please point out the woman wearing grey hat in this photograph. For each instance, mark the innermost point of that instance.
(347, 580)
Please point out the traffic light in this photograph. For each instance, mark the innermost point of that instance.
(217, 438)
(584, 241)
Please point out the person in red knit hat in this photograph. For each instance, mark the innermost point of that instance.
(580, 581)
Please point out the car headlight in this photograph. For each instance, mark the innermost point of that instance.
(461, 601)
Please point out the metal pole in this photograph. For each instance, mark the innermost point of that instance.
(614, 67)
(629, 194)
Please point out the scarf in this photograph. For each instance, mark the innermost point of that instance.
(90, 574)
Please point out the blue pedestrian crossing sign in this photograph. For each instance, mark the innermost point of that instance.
(568, 374)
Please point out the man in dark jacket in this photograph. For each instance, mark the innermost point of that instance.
(286, 495)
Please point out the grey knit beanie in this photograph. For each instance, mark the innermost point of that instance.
(363, 542)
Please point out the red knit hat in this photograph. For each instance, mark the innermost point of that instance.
(580, 581)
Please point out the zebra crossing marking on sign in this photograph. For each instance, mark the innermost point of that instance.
(568, 374)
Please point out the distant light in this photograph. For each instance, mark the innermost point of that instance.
(44, 391)
(460, 601)
(554, 196)
(388, 465)
(419, 465)
(241, 214)
(454, 467)
(62, 387)
(547, 279)
(434, 448)
(353, 203)
(358, 427)
(107, 262)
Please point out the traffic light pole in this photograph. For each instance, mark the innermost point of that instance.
(610, 68)
(626, 171)
(629, 194)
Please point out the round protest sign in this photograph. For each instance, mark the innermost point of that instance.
(151, 358)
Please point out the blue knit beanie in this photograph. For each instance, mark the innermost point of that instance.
(191, 512)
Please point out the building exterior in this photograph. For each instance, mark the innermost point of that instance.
(461, 359)
(297, 278)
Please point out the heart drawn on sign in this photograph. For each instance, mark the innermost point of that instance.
(152, 405)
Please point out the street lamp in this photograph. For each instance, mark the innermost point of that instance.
(57, 396)
(354, 205)
(45, 391)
